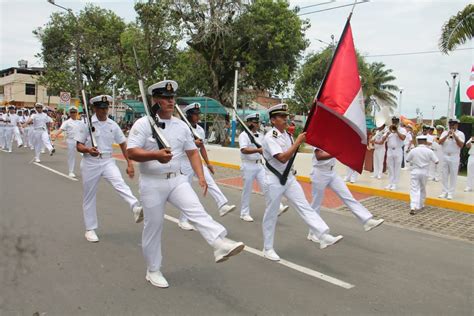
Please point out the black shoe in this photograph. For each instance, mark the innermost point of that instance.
(52, 152)
(412, 212)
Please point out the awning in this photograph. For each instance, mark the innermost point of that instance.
(135, 106)
(208, 105)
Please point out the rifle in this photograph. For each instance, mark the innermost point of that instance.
(185, 119)
(247, 130)
(89, 121)
(157, 134)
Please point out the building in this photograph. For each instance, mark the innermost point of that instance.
(18, 86)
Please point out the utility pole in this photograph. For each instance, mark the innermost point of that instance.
(234, 123)
(452, 106)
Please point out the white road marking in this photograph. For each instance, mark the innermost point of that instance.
(291, 265)
(55, 171)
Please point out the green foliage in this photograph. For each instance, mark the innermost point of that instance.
(457, 30)
(467, 119)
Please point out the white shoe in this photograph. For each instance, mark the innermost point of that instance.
(372, 223)
(42, 151)
(91, 236)
(443, 195)
(185, 225)
(312, 238)
(225, 248)
(388, 187)
(449, 197)
(436, 179)
(379, 177)
(271, 255)
(246, 218)
(226, 208)
(467, 189)
(372, 176)
(138, 214)
(329, 240)
(283, 209)
(156, 278)
(346, 179)
(430, 179)
(37, 160)
(352, 181)
(71, 175)
(9, 150)
(393, 187)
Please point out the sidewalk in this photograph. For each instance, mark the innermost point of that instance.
(463, 201)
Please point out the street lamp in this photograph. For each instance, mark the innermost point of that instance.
(76, 46)
(451, 102)
(234, 113)
(400, 90)
(433, 107)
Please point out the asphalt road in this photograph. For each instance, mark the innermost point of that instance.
(47, 267)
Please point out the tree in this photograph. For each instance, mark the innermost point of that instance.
(376, 81)
(98, 33)
(457, 30)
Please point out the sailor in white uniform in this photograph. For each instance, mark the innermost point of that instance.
(394, 137)
(12, 122)
(419, 158)
(452, 141)
(97, 163)
(161, 181)
(29, 125)
(470, 165)
(192, 112)
(435, 168)
(41, 126)
(70, 126)
(2, 128)
(379, 152)
(324, 175)
(252, 165)
(278, 148)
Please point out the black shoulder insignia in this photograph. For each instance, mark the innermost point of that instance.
(275, 134)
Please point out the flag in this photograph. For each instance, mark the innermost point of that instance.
(457, 102)
(337, 121)
(470, 89)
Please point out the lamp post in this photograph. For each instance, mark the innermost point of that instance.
(400, 101)
(449, 100)
(432, 114)
(76, 47)
(234, 123)
(453, 92)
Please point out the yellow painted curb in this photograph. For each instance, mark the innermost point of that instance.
(452, 205)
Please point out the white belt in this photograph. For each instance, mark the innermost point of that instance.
(102, 155)
(324, 167)
(39, 129)
(253, 161)
(451, 154)
(166, 176)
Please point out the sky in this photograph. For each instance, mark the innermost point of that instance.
(379, 27)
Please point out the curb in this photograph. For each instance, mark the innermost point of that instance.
(452, 205)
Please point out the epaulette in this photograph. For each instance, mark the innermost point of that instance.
(275, 134)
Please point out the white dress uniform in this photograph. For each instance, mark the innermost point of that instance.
(470, 167)
(323, 175)
(379, 154)
(451, 157)
(10, 120)
(93, 168)
(188, 171)
(160, 183)
(16, 131)
(419, 158)
(351, 175)
(23, 130)
(407, 143)
(394, 157)
(40, 131)
(275, 143)
(2, 131)
(70, 127)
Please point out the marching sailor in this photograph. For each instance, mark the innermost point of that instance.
(70, 126)
(97, 162)
(452, 141)
(252, 165)
(324, 175)
(41, 126)
(394, 138)
(379, 152)
(12, 121)
(419, 158)
(192, 112)
(161, 181)
(278, 148)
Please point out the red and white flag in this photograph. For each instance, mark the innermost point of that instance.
(470, 89)
(337, 122)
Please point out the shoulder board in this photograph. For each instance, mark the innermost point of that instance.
(275, 134)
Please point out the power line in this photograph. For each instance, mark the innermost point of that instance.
(317, 4)
(414, 53)
(332, 8)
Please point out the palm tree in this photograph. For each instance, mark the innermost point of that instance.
(457, 30)
(376, 82)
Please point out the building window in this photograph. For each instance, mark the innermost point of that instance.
(2, 90)
(30, 89)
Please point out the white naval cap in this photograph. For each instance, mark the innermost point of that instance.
(453, 120)
(193, 108)
(11, 107)
(253, 117)
(101, 100)
(39, 105)
(421, 137)
(165, 88)
(440, 127)
(72, 108)
(396, 117)
(281, 108)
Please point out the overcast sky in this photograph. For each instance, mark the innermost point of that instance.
(380, 27)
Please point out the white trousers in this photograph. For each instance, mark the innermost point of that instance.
(212, 189)
(394, 165)
(418, 180)
(379, 154)
(18, 138)
(450, 173)
(26, 136)
(154, 193)
(351, 175)
(41, 138)
(9, 134)
(320, 179)
(293, 191)
(436, 168)
(250, 171)
(71, 154)
(470, 172)
(31, 137)
(92, 169)
(3, 143)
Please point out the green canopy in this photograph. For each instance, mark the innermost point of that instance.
(369, 122)
(135, 106)
(208, 105)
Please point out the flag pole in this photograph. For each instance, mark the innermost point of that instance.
(286, 172)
